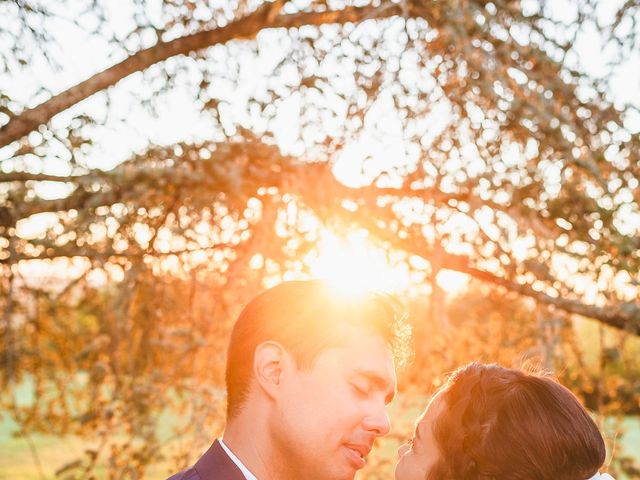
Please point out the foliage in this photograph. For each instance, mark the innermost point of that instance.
(490, 149)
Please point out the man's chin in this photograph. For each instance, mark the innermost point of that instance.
(336, 468)
(342, 474)
(342, 470)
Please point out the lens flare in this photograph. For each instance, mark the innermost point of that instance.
(353, 265)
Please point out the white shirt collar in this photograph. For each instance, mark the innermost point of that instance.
(245, 471)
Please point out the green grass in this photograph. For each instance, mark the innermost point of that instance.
(627, 442)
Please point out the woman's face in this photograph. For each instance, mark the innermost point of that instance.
(418, 456)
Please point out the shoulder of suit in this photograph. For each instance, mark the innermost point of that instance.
(188, 474)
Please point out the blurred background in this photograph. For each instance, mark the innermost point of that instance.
(162, 161)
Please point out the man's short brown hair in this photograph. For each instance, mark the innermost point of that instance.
(305, 317)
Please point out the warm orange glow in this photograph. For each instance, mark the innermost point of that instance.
(452, 282)
(354, 265)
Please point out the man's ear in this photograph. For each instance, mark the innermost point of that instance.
(269, 364)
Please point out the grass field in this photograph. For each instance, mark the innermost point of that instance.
(18, 462)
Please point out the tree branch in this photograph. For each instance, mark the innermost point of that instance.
(623, 316)
(244, 28)
(35, 177)
(108, 253)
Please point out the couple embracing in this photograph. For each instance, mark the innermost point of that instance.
(310, 375)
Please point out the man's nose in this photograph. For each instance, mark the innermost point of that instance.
(402, 451)
(378, 421)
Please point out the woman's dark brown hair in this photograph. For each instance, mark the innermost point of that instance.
(500, 423)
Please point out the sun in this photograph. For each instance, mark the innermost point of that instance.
(354, 265)
(452, 282)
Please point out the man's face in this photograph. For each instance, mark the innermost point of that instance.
(417, 457)
(330, 414)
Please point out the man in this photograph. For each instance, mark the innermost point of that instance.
(309, 375)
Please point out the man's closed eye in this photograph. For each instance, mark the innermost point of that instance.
(360, 389)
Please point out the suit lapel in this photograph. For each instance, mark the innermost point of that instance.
(215, 464)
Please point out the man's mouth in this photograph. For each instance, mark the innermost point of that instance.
(356, 453)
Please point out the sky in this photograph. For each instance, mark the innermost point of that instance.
(178, 118)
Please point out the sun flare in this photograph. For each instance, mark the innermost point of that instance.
(353, 265)
(452, 282)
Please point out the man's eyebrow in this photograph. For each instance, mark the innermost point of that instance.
(380, 382)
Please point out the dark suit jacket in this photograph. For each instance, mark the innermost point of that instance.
(215, 464)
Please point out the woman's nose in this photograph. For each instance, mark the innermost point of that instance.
(404, 448)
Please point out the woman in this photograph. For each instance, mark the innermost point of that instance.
(493, 423)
